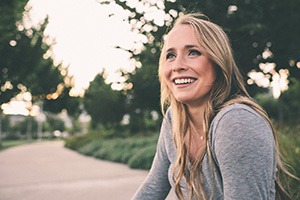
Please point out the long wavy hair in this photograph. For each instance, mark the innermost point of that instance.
(229, 88)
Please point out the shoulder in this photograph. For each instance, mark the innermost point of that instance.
(166, 140)
(235, 110)
(238, 114)
(240, 125)
(167, 122)
(242, 147)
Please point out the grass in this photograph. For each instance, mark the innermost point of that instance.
(289, 143)
(4, 144)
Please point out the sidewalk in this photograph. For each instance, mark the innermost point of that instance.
(48, 171)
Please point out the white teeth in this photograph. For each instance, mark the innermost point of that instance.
(184, 81)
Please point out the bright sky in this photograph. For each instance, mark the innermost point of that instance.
(86, 36)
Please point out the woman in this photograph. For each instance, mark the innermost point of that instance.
(215, 141)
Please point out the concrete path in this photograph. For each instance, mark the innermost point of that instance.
(48, 171)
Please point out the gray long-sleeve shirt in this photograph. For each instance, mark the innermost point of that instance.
(242, 148)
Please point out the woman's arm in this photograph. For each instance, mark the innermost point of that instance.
(156, 185)
(244, 149)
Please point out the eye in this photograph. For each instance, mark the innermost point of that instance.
(170, 56)
(194, 52)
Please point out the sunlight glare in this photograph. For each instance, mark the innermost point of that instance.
(279, 81)
(15, 108)
(86, 37)
(7, 86)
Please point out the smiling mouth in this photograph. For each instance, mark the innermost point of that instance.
(181, 81)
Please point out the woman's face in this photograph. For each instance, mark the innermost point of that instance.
(188, 72)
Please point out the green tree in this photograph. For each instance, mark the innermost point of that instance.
(289, 104)
(105, 106)
(73, 104)
(54, 123)
(26, 62)
(23, 66)
(260, 31)
(144, 96)
(10, 13)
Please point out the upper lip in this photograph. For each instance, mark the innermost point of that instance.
(184, 77)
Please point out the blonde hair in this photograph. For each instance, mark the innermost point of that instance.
(228, 88)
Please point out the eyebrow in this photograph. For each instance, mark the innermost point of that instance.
(189, 46)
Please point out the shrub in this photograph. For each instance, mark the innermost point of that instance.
(289, 143)
(137, 152)
(76, 142)
(90, 147)
(122, 149)
(143, 158)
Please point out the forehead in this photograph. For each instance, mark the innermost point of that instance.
(181, 35)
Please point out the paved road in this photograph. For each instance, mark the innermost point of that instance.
(48, 171)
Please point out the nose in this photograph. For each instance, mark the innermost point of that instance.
(179, 64)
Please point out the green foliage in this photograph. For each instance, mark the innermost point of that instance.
(289, 142)
(286, 109)
(18, 128)
(77, 127)
(5, 123)
(144, 97)
(39, 76)
(11, 143)
(107, 107)
(145, 93)
(64, 101)
(142, 122)
(109, 131)
(90, 148)
(26, 127)
(271, 105)
(104, 105)
(76, 142)
(54, 123)
(123, 150)
(143, 158)
(290, 104)
(26, 63)
(10, 13)
(137, 152)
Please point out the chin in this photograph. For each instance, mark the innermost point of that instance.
(184, 100)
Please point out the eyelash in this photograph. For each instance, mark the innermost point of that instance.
(192, 51)
(168, 56)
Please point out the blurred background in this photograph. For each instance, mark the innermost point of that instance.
(86, 70)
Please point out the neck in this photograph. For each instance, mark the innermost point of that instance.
(197, 116)
(196, 139)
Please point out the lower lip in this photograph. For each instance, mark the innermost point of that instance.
(183, 85)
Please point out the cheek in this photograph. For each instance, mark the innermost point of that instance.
(166, 72)
(212, 75)
(209, 71)
(166, 75)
